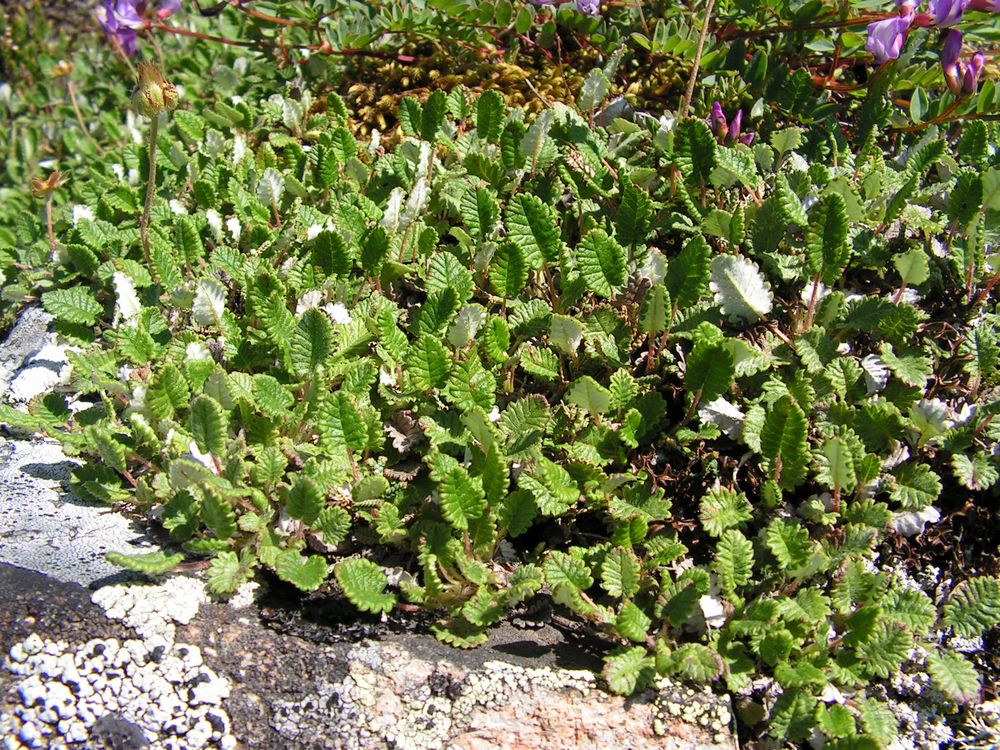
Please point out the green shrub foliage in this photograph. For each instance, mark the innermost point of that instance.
(683, 389)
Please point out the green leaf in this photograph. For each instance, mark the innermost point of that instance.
(74, 304)
(489, 116)
(428, 364)
(601, 261)
(306, 574)
(331, 254)
(270, 396)
(531, 225)
(912, 369)
(111, 451)
(789, 543)
(688, 274)
(883, 653)
(628, 670)
(364, 585)
(783, 441)
(311, 342)
(836, 465)
(694, 151)
(333, 524)
(304, 500)
(445, 271)
(775, 646)
(710, 370)
(912, 266)
(916, 486)
(973, 606)
(723, 509)
(733, 562)
(462, 498)
(634, 215)
(632, 622)
(878, 720)
(655, 310)
(910, 607)
(150, 563)
(432, 116)
(954, 675)
(620, 573)
(697, 662)
(793, 715)
(217, 514)
(552, 487)
(565, 570)
(480, 212)
(227, 573)
(508, 271)
(966, 198)
(524, 422)
(208, 425)
(565, 333)
(590, 395)
(341, 424)
(976, 473)
(827, 250)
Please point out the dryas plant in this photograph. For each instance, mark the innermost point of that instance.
(488, 357)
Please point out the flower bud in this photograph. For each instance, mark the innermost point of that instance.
(970, 81)
(154, 94)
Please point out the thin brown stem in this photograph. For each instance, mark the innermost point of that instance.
(862, 20)
(79, 117)
(150, 190)
(689, 92)
(48, 221)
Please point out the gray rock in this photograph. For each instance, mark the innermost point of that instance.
(49, 530)
(26, 339)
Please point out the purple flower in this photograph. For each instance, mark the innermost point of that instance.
(985, 6)
(728, 132)
(119, 19)
(885, 38)
(970, 81)
(962, 77)
(590, 7)
(948, 12)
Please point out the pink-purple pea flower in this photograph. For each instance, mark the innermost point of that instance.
(727, 132)
(885, 38)
(121, 19)
(962, 77)
(948, 12)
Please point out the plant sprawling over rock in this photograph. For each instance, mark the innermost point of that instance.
(682, 383)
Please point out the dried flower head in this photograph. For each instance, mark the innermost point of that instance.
(61, 69)
(153, 94)
(41, 188)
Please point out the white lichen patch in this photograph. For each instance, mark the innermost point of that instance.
(675, 703)
(152, 611)
(164, 698)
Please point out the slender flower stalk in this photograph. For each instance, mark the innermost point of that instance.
(46, 189)
(153, 96)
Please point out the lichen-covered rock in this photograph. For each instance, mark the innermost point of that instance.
(392, 698)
